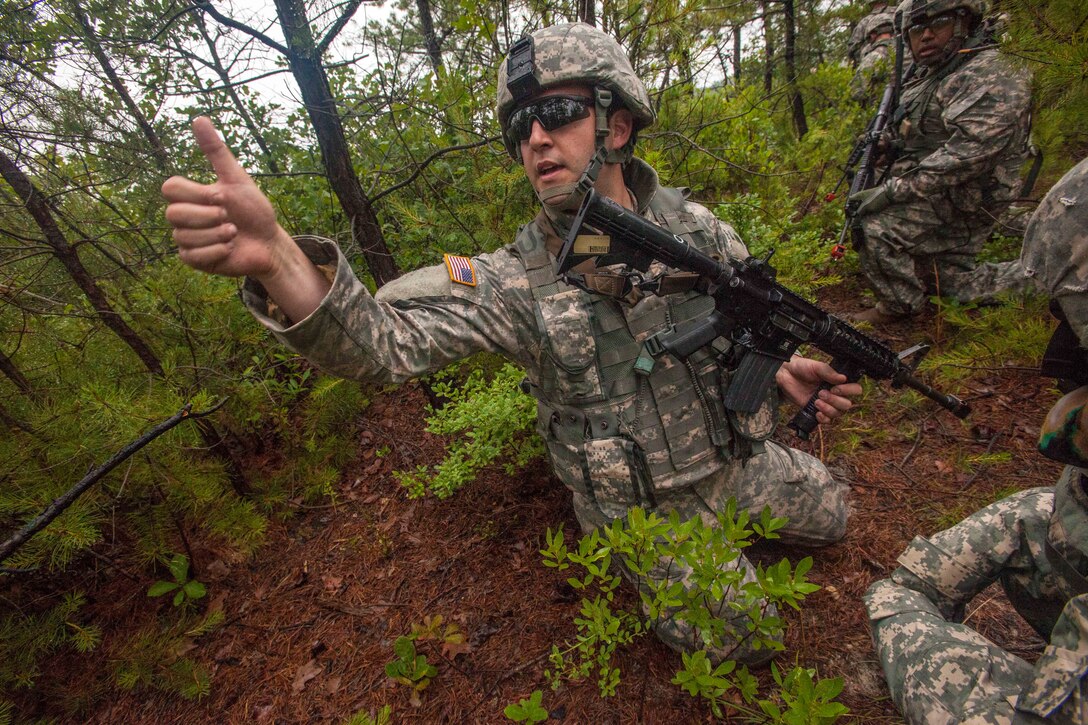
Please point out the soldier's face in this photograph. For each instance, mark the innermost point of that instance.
(928, 40)
(559, 156)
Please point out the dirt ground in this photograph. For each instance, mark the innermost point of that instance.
(311, 619)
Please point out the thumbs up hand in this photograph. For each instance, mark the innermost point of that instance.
(228, 227)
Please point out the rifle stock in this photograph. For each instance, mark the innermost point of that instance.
(756, 313)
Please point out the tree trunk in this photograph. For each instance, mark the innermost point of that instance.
(335, 154)
(587, 12)
(158, 150)
(66, 254)
(426, 20)
(13, 374)
(768, 48)
(736, 53)
(798, 103)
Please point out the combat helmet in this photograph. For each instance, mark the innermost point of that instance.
(1055, 255)
(913, 12)
(1055, 252)
(572, 53)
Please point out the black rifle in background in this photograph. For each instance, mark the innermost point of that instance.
(761, 317)
(865, 151)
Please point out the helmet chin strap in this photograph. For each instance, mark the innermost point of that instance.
(561, 202)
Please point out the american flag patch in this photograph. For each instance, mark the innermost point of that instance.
(461, 270)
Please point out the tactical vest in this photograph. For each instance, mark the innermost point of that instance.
(922, 131)
(615, 434)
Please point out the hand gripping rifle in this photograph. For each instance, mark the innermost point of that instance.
(864, 153)
(763, 318)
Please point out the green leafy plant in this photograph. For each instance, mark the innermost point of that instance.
(490, 419)
(704, 559)
(527, 709)
(185, 590)
(410, 668)
(381, 717)
(805, 700)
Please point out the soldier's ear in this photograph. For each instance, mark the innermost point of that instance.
(621, 124)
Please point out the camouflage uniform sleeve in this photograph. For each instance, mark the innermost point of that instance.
(725, 237)
(1060, 670)
(983, 106)
(416, 324)
(952, 566)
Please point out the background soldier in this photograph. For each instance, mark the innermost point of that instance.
(1035, 542)
(872, 52)
(957, 140)
(570, 107)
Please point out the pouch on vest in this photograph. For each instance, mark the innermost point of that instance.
(614, 474)
(574, 353)
(751, 430)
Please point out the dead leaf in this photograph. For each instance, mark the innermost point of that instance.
(305, 673)
(332, 686)
(941, 466)
(218, 569)
(450, 650)
(332, 583)
(263, 714)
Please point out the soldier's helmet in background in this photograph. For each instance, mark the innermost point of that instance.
(913, 12)
(580, 53)
(1055, 252)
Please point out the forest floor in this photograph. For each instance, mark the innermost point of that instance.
(311, 618)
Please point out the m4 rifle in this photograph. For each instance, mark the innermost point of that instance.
(867, 150)
(757, 314)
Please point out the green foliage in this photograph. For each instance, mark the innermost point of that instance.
(410, 668)
(154, 657)
(978, 337)
(491, 419)
(703, 562)
(1051, 38)
(527, 709)
(25, 640)
(186, 590)
(805, 700)
(381, 717)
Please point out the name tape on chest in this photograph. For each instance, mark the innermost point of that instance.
(592, 244)
(461, 270)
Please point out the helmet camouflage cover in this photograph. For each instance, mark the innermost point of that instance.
(580, 53)
(1055, 250)
(915, 11)
(1055, 254)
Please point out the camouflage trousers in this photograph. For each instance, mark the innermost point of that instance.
(912, 251)
(792, 483)
(940, 671)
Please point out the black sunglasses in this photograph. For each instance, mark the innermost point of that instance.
(936, 25)
(551, 111)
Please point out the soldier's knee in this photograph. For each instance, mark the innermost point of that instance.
(683, 639)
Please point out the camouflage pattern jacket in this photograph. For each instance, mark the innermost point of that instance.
(602, 422)
(961, 134)
(1037, 540)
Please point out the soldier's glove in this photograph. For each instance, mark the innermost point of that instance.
(871, 201)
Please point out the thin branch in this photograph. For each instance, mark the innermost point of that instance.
(207, 7)
(426, 162)
(345, 17)
(55, 509)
